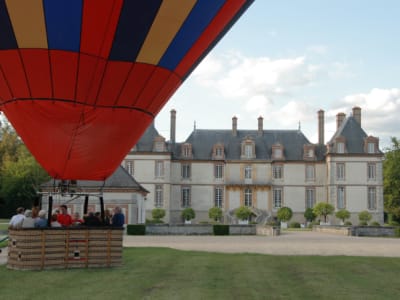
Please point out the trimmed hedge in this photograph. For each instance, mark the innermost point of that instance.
(136, 229)
(221, 229)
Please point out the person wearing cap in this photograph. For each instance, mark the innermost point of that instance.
(16, 220)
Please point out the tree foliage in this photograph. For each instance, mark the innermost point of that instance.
(323, 209)
(20, 174)
(188, 214)
(342, 214)
(285, 214)
(364, 216)
(215, 213)
(309, 214)
(391, 178)
(243, 213)
(158, 214)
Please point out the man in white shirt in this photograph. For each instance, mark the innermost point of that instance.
(16, 220)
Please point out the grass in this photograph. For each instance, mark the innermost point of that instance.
(159, 273)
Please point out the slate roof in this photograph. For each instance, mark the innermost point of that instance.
(351, 130)
(145, 144)
(202, 142)
(120, 179)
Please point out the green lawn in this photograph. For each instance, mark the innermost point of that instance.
(158, 273)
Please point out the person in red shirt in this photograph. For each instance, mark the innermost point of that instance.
(63, 217)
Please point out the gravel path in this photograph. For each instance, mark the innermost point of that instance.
(289, 243)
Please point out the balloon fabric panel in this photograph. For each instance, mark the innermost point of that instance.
(81, 80)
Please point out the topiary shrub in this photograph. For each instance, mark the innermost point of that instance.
(342, 214)
(284, 214)
(364, 217)
(309, 215)
(348, 223)
(363, 223)
(158, 214)
(323, 209)
(294, 225)
(188, 214)
(243, 213)
(136, 229)
(375, 223)
(220, 229)
(215, 213)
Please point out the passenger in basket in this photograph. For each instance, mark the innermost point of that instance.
(16, 220)
(54, 222)
(76, 219)
(63, 217)
(40, 221)
(92, 220)
(28, 222)
(118, 219)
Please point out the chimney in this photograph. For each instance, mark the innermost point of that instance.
(173, 126)
(321, 127)
(260, 126)
(339, 119)
(234, 126)
(357, 114)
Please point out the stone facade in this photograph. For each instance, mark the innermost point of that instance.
(262, 169)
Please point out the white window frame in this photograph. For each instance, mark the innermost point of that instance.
(277, 196)
(310, 197)
(185, 196)
(218, 171)
(248, 150)
(371, 198)
(129, 166)
(277, 171)
(218, 196)
(340, 147)
(186, 171)
(341, 197)
(159, 199)
(340, 171)
(371, 147)
(248, 197)
(248, 172)
(371, 171)
(310, 172)
(159, 168)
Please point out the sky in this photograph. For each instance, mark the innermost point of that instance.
(285, 60)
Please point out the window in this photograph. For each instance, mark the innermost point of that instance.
(219, 151)
(186, 150)
(185, 171)
(129, 166)
(310, 198)
(310, 172)
(247, 172)
(340, 198)
(340, 171)
(371, 147)
(371, 171)
(219, 171)
(159, 168)
(308, 151)
(277, 153)
(277, 171)
(248, 197)
(218, 197)
(277, 197)
(159, 144)
(158, 201)
(340, 147)
(248, 151)
(371, 198)
(247, 148)
(186, 197)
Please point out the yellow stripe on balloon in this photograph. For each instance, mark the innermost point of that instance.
(167, 23)
(28, 22)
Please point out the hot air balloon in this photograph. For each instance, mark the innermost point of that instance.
(81, 80)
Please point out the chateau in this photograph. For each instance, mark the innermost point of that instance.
(262, 169)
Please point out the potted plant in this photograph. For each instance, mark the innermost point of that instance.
(342, 214)
(158, 214)
(243, 213)
(324, 209)
(188, 214)
(364, 217)
(284, 215)
(215, 213)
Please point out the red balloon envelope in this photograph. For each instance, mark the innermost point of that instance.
(81, 80)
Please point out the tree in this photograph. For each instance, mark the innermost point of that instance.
(364, 217)
(215, 213)
(391, 178)
(188, 214)
(285, 214)
(323, 209)
(158, 214)
(21, 175)
(342, 214)
(243, 213)
(309, 214)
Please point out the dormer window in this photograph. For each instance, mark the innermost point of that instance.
(371, 145)
(218, 151)
(186, 150)
(340, 145)
(308, 151)
(277, 151)
(159, 144)
(248, 149)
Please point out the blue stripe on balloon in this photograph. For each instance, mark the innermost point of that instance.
(7, 37)
(63, 24)
(201, 15)
(134, 24)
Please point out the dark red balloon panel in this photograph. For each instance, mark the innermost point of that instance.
(81, 80)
